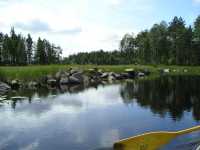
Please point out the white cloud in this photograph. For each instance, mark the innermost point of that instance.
(196, 1)
(75, 25)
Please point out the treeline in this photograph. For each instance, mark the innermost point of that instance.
(18, 50)
(171, 43)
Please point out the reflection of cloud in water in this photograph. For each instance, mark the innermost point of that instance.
(39, 113)
(31, 146)
(110, 137)
(72, 103)
(4, 141)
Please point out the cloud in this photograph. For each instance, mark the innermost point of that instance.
(196, 1)
(82, 25)
(41, 26)
(72, 31)
(115, 2)
(34, 26)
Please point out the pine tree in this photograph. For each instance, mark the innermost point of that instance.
(29, 44)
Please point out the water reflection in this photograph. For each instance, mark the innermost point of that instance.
(173, 95)
(93, 118)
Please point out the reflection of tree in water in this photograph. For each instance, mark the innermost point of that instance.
(172, 95)
(43, 93)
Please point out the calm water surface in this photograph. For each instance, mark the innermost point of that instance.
(93, 118)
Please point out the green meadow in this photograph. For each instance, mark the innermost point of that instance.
(36, 71)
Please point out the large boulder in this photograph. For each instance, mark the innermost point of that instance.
(74, 71)
(119, 76)
(185, 70)
(140, 74)
(51, 81)
(61, 74)
(111, 78)
(164, 71)
(104, 75)
(95, 72)
(78, 78)
(146, 72)
(4, 88)
(124, 75)
(64, 80)
(15, 84)
(74, 80)
(43, 80)
(131, 72)
(33, 85)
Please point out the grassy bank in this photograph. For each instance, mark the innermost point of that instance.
(34, 72)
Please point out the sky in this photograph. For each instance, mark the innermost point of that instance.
(88, 25)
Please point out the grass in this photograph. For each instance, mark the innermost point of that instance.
(34, 72)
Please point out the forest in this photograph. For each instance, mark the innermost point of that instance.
(18, 50)
(173, 43)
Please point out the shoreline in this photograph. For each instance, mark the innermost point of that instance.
(54, 76)
(29, 73)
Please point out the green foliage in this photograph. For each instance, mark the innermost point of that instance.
(29, 44)
(18, 50)
(34, 72)
(166, 43)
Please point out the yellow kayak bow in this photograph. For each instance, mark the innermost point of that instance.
(151, 140)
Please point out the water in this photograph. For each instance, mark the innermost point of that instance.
(93, 118)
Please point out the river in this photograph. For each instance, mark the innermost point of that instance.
(93, 118)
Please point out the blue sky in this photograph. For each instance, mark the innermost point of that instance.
(85, 25)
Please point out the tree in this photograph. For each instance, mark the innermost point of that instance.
(40, 52)
(1, 48)
(127, 47)
(143, 47)
(196, 41)
(29, 44)
(159, 43)
(176, 32)
(189, 55)
(21, 58)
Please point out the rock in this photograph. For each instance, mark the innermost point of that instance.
(95, 80)
(131, 72)
(104, 75)
(33, 85)
(62, 77)
(146, 72)
(60, 74)
(18, 98)
(73, 71)
(78, 78)
(124, 75)
(15, 84)
(164, 71)
(4, 88)
(76, 88)
(91, 70)
(95, 72)
(140, 74)
(118, 76)
(43, 80)
(74, 80)
(185, 70)
(64, 88)
(51, 82)
(111, 78)
(64, 80)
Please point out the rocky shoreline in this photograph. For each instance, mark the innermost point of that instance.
(73, 77)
